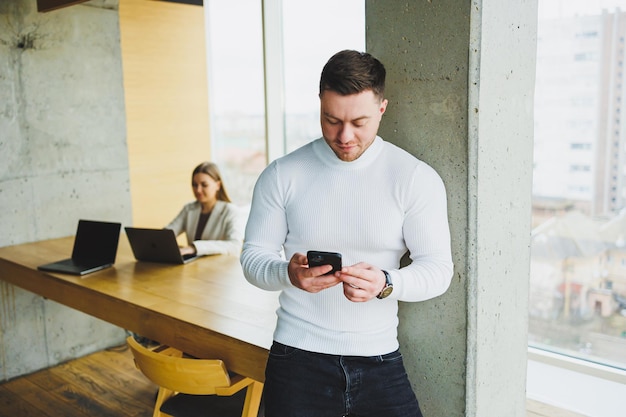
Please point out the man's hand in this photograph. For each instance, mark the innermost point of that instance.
(310, 279)
(361, 282)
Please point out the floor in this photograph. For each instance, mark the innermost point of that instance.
(106, 384)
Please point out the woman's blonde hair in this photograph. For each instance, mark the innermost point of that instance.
(213, 171)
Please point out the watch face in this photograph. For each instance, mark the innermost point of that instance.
(385, 292)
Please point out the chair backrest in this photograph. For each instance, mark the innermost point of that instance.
(186, 375)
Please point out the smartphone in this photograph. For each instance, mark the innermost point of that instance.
(319, 258)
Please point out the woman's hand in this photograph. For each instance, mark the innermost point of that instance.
(188, 250)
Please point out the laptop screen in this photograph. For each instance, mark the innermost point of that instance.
(96, 240)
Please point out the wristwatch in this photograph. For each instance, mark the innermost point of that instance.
(387, 289)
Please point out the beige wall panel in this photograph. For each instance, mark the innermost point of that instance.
(165, 82)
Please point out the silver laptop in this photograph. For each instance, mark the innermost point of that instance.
(156, 245)
(95, 248)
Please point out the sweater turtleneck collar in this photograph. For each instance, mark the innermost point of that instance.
(327, 155)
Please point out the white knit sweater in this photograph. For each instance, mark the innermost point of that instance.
(373, 210)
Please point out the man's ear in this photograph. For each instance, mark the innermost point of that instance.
(383, 106)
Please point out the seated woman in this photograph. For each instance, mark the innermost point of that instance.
(212, 223)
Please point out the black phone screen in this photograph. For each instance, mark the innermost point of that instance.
(319, 258)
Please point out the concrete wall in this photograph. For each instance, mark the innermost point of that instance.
(460, 85)
(63, 157)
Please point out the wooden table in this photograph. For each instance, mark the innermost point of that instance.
(205, 308)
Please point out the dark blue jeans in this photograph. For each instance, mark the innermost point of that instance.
(306, 384)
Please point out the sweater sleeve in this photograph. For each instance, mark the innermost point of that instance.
(262, 256)
(178, 224)
(427, 236)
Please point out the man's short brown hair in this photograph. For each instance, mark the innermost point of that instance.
(352, 72)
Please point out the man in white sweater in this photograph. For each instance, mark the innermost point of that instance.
(336, 350)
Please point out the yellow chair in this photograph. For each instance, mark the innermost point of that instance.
(205, 379)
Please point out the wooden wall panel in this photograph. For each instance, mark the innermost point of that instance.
(165, 83)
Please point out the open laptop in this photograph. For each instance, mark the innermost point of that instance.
(95, 248)
(156, 245)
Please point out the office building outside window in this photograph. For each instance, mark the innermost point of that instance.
(578, 268)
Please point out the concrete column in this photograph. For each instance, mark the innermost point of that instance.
(460, 86)
(63, 157)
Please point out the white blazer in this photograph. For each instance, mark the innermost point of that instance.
(223, 233)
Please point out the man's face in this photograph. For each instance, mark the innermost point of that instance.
(350, 123)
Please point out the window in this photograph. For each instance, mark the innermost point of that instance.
(588, 34)
(263, 87)
(579, 168)
(577, 303)
(306, 50)
(578, 291)
(585, 56)
(236, 93)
